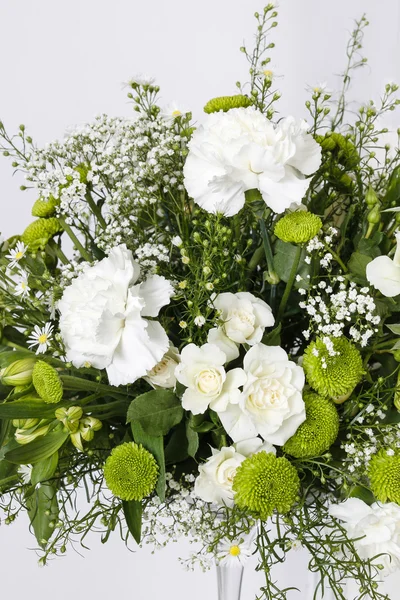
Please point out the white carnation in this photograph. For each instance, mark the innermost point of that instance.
(216, 475)
(241, 150)
(384, 273)
(208, 384)
(271, 404)
(102, 318)
(375, 530)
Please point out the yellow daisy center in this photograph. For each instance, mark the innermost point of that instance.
(234, 551)
(176, 113)
(42, 339)
(268, 73)
(19, 255)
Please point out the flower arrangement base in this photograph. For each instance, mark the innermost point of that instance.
(229, 582)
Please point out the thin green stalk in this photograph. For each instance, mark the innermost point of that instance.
(83, 252)
(58, 252)
(77, 383)
(289, 284)
(95, 209)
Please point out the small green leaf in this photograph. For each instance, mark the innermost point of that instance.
(133, 511)
(28, 407)
(156, 411)
(37, 450)
(394, 328)
(358, 263)
(273, 338)
(155, 445)
(43, 512)
(10, 356)
(177, 448)
(192, 440)
(363, 494)
(45, 469)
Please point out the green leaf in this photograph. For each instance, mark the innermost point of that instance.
(10, 356)
(273, 338)
(43, 510)
(155, 445)
(192, 440)
(284, 258)
(133, 511)
(156, 411)
(358, 263)
(177, 448)
(28, 407)
(363, 494)
(37, 450)
(394, 328)
(44, 469)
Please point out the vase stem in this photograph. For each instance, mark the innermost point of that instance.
(229, 582)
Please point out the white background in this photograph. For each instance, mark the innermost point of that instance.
(62, 62)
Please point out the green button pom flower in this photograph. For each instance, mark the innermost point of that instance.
(40, 232)
(47, 382)
(319, 430)
(225, 103)
(45, 208)
(384, 476)
(264, 483)
(298, 227)
(333, 367)
(131, 472)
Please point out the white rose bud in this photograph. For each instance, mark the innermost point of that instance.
(163, 374)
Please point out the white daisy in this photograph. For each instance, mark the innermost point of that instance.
(15, 255)
(22, 288)
(140, 79)
(234, 553)
(172, 111)
(26, 472)
(40, 337)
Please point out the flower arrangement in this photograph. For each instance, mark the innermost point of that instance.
(218, 355)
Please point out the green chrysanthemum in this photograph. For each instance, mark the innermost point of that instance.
(333, 371)
(47, 382)
(38, 233)
(264, 483)
(384, 476)
(131, 472)
(45, 208)
(319, 430)
(225, 103)
(298, 227)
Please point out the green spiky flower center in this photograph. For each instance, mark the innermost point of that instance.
(47, 382)
(264, 483)
(384, 476)
(333, 372)
(38, 233)
(298, 227)
(319, 430)
(131, 472)
(225, 103)
(45, 208)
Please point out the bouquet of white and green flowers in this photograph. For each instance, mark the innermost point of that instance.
(217, 353)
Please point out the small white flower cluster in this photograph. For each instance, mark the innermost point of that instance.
(150, 255)
(320, 247)
(336, 305)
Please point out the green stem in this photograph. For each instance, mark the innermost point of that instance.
(58, 252)
(8, 479)
(77, 383)
(268, 250)
(337, 258)
(289, 284)
(84, 253)
(95, 209)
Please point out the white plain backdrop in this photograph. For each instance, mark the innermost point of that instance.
(63, 62)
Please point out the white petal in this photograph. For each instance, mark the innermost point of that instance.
(195, 402)
(156, 292)
(217, 336)
(280, 195)
(307, 158)
(237, 424)
(384, 275)
(253, 445)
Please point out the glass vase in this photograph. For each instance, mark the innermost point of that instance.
(229, 582)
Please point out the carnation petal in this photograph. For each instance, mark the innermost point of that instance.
(280, 195)
(156, 292)
(384, 275)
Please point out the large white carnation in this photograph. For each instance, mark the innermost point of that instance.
(241, 150)
(216, 475)
(375, 530)
(102, 318)
(271, 404)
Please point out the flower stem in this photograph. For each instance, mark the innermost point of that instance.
(289, 284)
(77, 383)
(75, 240)
(95, 209)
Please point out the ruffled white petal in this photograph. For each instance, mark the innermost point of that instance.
(156, 292)
(384, 275)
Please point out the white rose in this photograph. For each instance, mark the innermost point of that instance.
(163, 374)
(216, 475)
(271, 404)
(245, 317)
(384, 273)
(208, 385)
(241, 150)
(102, 318)
(377, 527)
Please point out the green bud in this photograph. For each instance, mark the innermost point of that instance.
(374, 215)
(25, 436)
(18, 372)
(69, 417)
(370, 197)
